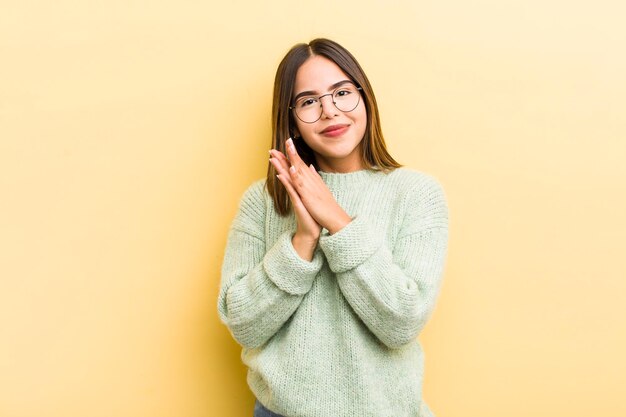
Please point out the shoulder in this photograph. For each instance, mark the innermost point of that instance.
(255, 193)
(252, 207)
(425, 203)
(416, 183)
(254, 197)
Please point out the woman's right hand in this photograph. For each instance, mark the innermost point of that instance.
(308, 230)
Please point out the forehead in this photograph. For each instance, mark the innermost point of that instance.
(318, 74)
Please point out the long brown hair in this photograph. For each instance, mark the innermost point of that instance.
(374, 152)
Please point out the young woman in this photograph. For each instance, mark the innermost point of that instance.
(334, 261)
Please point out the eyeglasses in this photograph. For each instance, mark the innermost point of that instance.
(309, 108)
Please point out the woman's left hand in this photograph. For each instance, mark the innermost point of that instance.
(314, 193)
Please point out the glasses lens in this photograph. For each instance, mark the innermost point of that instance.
(346, 98)
(309, 109)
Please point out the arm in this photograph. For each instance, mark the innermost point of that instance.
(260, 289)
(393, 290)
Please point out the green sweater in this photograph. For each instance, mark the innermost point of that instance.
(337, 336)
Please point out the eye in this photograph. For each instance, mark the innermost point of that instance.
(343, 92)
(305, 102)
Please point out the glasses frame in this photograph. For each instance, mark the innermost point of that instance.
(332, 94)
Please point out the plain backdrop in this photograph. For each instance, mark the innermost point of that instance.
(130, 129)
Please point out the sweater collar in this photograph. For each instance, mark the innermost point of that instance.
(348, 179)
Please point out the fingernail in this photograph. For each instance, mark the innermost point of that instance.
(292, 169)
(289, 142)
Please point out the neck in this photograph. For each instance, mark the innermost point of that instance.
(344, 165)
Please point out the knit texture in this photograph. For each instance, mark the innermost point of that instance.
(337, 336)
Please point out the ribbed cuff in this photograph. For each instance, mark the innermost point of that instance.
(351, 246)
(288, 270)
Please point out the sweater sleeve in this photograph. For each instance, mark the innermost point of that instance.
(393, 290)
(260, 287)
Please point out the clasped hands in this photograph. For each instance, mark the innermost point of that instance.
(313, 203)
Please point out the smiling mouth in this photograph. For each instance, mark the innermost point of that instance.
(334, 130)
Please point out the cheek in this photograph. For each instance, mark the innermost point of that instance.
(360, 114)
(361, 119)
(302, 129)
(305, 130)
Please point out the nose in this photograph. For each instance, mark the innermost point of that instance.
(328, 106)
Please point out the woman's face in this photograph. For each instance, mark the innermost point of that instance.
(336, 137)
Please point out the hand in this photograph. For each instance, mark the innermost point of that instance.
(314, 194)
(308, 229)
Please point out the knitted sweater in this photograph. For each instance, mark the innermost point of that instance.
(336, 336)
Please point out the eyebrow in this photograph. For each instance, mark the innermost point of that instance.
(332, 87)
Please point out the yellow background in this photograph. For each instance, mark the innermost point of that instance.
(130, 129)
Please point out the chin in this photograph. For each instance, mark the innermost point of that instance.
(337, 151)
